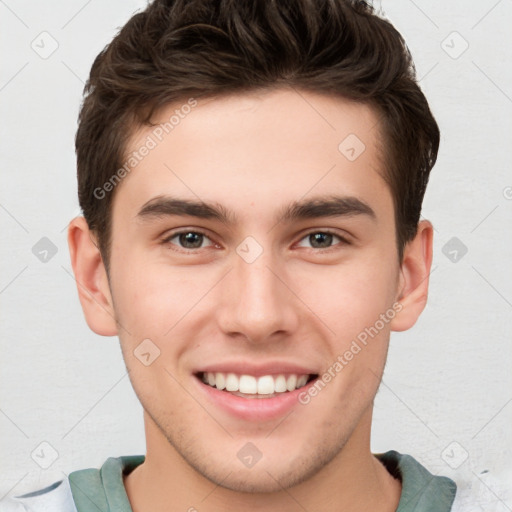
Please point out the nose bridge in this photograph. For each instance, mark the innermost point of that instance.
(258, 303)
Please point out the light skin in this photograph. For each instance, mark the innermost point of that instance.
(299, 301)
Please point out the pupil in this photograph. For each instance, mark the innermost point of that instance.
(325, 239)
(193, 239)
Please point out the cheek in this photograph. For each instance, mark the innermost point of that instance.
(349, 298)
(151, 299)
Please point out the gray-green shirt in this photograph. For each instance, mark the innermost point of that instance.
(102, 490)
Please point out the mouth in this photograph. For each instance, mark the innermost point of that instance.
(255, 387)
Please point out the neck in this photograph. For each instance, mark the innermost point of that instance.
(354, 480)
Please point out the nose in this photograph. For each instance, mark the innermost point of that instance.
(256, 303)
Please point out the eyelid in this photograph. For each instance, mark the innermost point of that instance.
(344, 239)
(166, 238)
(179, 231)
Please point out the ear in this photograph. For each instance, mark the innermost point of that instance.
(91, 278)
(414, 278)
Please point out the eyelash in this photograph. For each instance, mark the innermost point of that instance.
(167, 240)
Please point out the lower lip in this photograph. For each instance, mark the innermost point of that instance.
(253, 409)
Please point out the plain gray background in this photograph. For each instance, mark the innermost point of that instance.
(66, 401)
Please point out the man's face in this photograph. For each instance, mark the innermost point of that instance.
(258, 293)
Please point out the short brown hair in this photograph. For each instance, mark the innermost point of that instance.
(177, 49)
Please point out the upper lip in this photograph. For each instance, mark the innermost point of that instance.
(257, 370)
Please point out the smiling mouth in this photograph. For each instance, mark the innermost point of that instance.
(249, 386)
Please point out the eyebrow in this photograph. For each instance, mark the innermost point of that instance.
(324, 206)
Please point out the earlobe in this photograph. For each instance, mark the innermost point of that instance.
(414, 277)
(91, 278)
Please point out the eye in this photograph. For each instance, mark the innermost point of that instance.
(321, 240)
(188, 239)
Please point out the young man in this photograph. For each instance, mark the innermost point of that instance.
(251, 176)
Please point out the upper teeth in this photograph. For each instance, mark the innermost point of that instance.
(265, 385)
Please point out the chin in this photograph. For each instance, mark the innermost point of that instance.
(267, 476)
(255, 481)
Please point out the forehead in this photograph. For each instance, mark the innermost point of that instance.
(259, 146)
